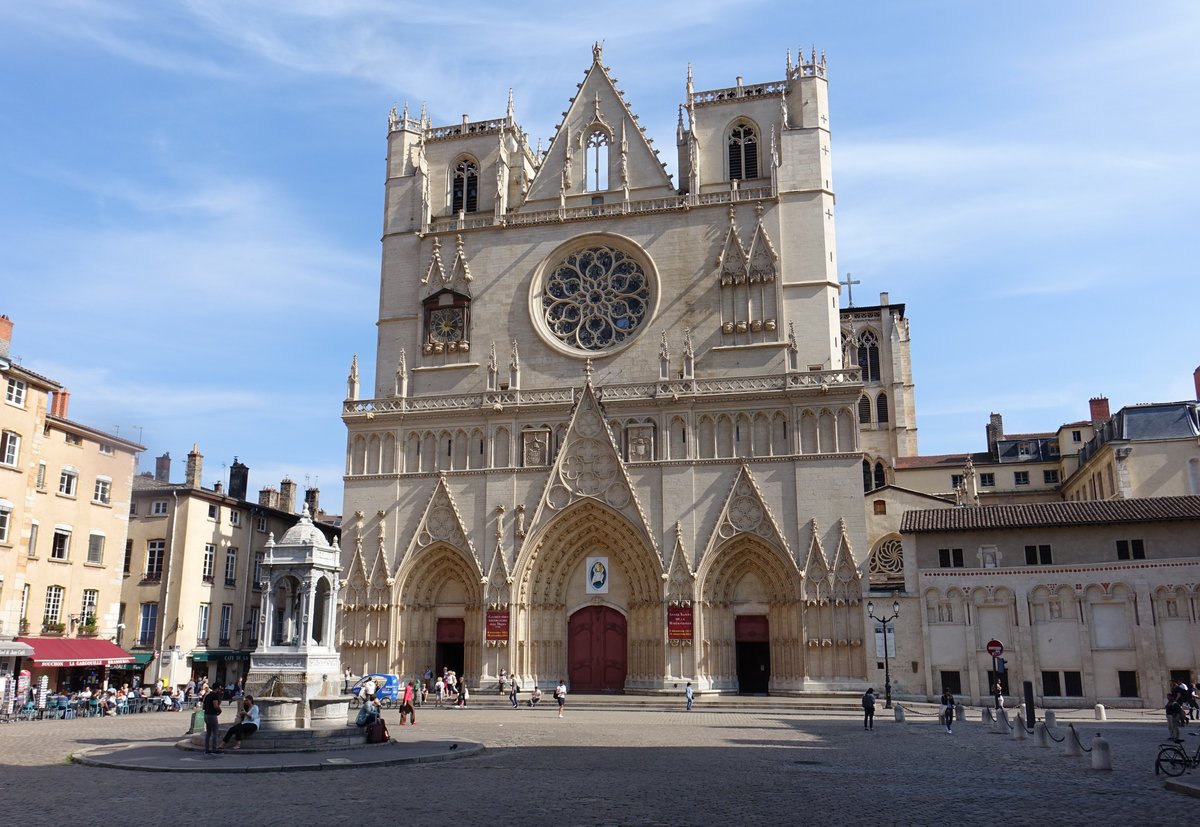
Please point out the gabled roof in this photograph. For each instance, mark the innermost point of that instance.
(1049, 515)
(875, 493)
(598, 102)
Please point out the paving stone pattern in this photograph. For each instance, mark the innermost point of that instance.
(620, 765)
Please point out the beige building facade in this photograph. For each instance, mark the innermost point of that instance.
(65, 490)
(1094, 601)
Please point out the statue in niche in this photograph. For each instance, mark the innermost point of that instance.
(520, 526)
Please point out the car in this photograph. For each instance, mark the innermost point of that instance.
(387, 689)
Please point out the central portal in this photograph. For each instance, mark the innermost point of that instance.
(596, 650)
(753, 641)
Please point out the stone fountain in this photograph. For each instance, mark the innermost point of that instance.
(294, 673)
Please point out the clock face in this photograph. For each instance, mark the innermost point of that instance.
(446, 325)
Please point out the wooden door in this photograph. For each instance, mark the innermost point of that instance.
(596, 650)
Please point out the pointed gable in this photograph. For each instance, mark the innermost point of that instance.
(816, 567)
(680, 579)
(732, 263)
(379, 582)
(762, 256)
(441, 523)
(845, 572)
(746, 512)
(589, 466)
(599, 107)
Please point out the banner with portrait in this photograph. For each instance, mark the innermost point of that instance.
(596, 575)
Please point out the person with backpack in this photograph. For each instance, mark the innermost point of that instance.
(212, 721)
(514, 691)
(868, 705)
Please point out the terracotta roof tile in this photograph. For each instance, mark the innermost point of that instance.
(1034, 515)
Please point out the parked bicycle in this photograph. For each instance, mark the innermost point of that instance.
(1173, 759)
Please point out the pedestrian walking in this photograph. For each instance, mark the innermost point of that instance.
(439, 691)
(560, 695)
(998, 693)
(346, 681)
(868, 705)
(514, 691)
(690, 694)
(212, 721)
(948, 709)
(406, 705)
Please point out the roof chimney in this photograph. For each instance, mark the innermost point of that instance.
(195, 467)
(1196, 379)
(884, 299)
(312, 499)
(995, 432)
(268, 497)
(287, 496)
(239, 480)
(60, 403)
(1099, 409)
(6, 327)
(162, 468)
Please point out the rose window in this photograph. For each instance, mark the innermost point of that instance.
(595, 299)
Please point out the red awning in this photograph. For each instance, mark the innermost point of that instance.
(74, 651)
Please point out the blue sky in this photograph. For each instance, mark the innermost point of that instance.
(191, 192)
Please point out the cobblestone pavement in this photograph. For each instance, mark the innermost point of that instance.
(618, 766)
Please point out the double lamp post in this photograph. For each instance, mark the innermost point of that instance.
(887, 671)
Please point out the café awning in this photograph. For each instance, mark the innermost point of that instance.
(72, 651)
(15, 649)
(219, 655)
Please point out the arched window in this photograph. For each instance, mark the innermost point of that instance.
(464, 192)
(864, 410)
(597, 162)
(867, 477)
(881, 408)
(868, 355)
(880, 478)
(743, 151)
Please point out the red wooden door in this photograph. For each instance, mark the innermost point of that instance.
(596, 650)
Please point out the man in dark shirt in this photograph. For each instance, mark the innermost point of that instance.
(211, 704)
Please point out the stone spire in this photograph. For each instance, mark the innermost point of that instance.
(352, 379)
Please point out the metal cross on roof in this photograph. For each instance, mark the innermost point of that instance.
(849, 284)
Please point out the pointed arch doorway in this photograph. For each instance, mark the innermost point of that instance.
(752, 639)
(596, 650)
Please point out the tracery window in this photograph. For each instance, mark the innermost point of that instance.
(881, 408)
(464, 191)
(886, 563)
(868, 355)
(597, 162)
(880, 477)
(595, 299)
(743, 151)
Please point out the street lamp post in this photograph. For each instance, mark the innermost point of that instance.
(887, 670)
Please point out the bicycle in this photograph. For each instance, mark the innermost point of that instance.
(1173, 759)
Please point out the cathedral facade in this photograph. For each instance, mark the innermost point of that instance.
(613, 433)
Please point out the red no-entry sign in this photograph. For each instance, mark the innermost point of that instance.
(995, 648)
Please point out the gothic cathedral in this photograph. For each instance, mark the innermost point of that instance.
(614, 431)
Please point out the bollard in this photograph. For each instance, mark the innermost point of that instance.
(1071, 743)
(1051, 718)
(986, 715)
(197, 724)
(1101, 753)
(998, 722)
(1043, 735)
(1100, 713)
(1018, 730)
(960, 712)
(899, 711)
